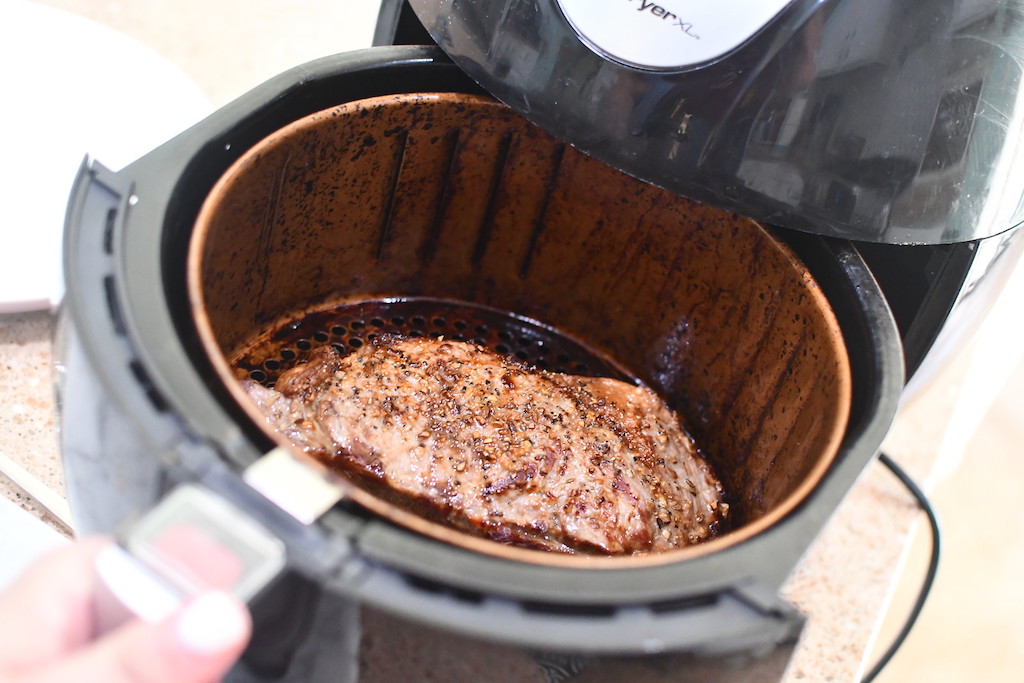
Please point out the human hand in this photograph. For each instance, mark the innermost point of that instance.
(48, 632)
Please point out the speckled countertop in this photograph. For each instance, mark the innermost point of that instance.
(843, 584)
(28, 428)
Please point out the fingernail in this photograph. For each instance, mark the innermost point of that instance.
(212, 623)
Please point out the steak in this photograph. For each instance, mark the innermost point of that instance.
(499, 449)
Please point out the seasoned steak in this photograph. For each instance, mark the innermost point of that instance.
(488, 445)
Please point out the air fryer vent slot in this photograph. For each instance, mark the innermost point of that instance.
(460, 594)
(569, 610)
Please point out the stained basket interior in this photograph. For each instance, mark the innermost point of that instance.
(454, 202)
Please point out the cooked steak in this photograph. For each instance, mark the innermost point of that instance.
(490, 446)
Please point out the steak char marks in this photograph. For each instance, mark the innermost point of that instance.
(498, 449)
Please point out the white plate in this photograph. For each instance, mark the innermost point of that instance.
(72, 87)
(24, 539)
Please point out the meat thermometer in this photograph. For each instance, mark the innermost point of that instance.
(194, 540)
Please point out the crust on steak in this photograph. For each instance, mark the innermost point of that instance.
(488, 445)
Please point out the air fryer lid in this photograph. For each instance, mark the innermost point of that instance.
(878, 121)
(449, 214)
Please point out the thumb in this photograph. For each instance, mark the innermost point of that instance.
(197, 644)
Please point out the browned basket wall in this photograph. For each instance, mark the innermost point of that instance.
(457, 197)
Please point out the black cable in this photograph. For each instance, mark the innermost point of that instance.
(933, 565)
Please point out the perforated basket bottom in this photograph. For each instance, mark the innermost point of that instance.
(349, 326)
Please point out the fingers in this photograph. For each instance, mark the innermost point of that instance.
(54, 597)
(47, 620)
(196, 645)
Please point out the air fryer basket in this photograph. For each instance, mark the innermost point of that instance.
(448, 214)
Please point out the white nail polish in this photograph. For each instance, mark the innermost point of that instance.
(210, 623)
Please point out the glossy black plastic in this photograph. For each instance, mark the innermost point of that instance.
(894, 121)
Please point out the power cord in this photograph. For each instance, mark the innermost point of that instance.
(933, 565)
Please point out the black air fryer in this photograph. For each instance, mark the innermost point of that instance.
(868, 148)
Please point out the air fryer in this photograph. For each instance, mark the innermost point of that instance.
(385, 190)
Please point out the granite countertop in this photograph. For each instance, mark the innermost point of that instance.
(28, 423)
(843, 583)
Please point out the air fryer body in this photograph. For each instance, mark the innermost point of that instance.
(755, 130)
(142, 411)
